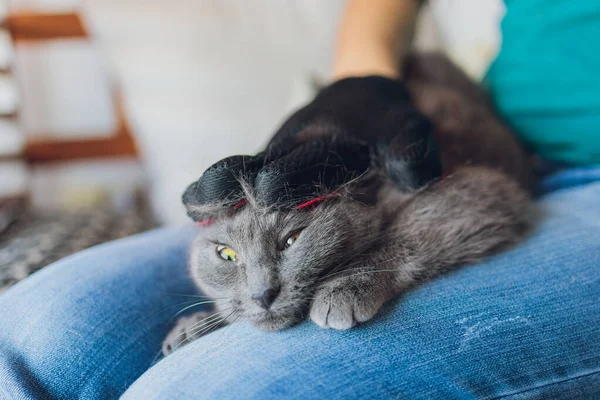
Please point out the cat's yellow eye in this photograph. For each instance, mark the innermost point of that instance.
(292, 239)
(226, 253)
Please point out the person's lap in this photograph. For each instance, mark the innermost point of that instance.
(522, 324)
(90, 324)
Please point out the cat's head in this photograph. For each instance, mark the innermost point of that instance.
(263, 265)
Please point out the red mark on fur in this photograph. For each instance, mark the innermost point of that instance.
(206, 222)
(232, 209)
(239, 204)
(315, 201)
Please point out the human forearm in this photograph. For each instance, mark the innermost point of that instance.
(372, 37)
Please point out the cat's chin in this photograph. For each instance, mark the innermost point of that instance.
(273, 322)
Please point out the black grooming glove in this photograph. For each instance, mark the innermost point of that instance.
(351, 126)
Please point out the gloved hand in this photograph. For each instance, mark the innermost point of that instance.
(351, 126)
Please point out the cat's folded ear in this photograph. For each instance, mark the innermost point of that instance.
(220, 186)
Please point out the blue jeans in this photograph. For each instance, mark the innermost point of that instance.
(523, 324)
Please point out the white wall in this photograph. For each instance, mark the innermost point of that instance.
(208, 79)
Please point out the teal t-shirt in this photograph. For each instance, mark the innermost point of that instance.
(546, 78)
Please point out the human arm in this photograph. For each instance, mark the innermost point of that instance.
(373, 36)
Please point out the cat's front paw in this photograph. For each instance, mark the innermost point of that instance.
(339, 305)
(186, 329)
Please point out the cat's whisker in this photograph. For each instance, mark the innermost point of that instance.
(197, 296)
(351, 272)
(358, 249)
(176, 305)
(208, 320)
(339, 270)
(334, 272)
(204, 321)
(208, 327)
(156, 357)
(213, 325)
(212, 320)
(227, 328)
(215, 315)
(196, 304)
(372, 272)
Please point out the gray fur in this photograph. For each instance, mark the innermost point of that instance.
(352, 258)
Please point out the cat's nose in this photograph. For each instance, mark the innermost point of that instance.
(265, 298)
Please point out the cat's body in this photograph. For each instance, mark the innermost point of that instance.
(340, 261)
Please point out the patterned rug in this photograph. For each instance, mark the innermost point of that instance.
(35, 240)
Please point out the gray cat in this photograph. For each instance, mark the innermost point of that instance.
(339, 262)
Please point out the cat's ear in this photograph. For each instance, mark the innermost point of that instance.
(220, 189)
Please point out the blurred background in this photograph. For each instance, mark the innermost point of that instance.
(110, 108)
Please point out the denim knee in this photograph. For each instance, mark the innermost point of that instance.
(89, 325)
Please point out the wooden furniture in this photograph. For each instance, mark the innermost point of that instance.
(32, 26)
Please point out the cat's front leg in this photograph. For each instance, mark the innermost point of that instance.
(356, 297)
(474, 213)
